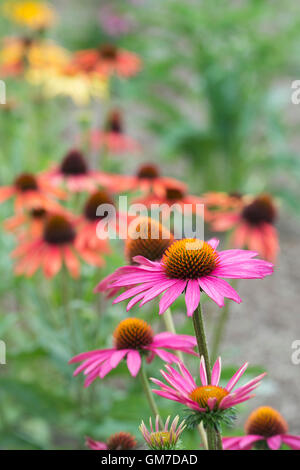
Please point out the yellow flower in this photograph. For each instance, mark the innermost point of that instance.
(80, 88)
(31, 13)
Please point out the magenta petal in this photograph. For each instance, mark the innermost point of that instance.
(203, 375)
(192, 296)
(225, 289)
(292, 441)
(247, 441)
(274, 442)
(214, 242)
(134, 362)
(216, 372)
(117, 357)
(236, 377)
(209, 286)
(171, 295)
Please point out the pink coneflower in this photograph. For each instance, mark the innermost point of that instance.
(57, 245)
(253, 225)
(265, 429)
(209, 401)
(162, 437)
(152, 242)
(147, 179)
(75, 173)
(108, 59)
(31, 192)
(133, 338)
(119, 441)
(113, 139)
(190, 266)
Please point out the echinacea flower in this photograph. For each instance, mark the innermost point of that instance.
(56, 246)
(190, 266)
(147, 238)
(113, 139)
(88, 223)
(163, 437)
(106, 60)
(75, 173)
(265, 429)
(173, 195)
(31, 192)
(133, 338)
(36, 15)
(253, 225)
(208, 402)
(147, 179)
(118, 441)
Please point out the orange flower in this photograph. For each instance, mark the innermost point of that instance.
(147, 180)
(57, 245)
(31, 192)
(108, 59)
(252, 222)
(113, 139)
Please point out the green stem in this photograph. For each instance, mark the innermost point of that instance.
(147, 390)
(212, 436)
(219, 445)
(201, 339)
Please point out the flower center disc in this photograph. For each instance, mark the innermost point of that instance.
(149, 172)
(133, 333)
(114, 123)
(38, 213)
(26, 182)
(74, 164)
(174, 194)
(58, 230)
(201, 395)
(148, 238)
(160, 437)
(260, 210)
(189, 259)
(121, 441)
(267, 422)
(108, 52)
(94, 201)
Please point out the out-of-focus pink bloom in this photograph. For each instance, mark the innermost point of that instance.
(113, 23)
(265, 429)
(132, 338)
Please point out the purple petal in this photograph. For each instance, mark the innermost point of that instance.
(192, 296)
(171, 295)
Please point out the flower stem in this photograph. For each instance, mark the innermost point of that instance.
(201, 339)
(212, 435)
(169, 324)
(147, 390)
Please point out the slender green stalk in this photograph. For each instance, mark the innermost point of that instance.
(212, 438)
(169, 323)
(201, 339)
(219, 445)
(148, 392)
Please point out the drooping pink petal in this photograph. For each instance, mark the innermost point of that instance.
(192, 296)
(117, 356)
(208, 285)
(292, 441)
(274, 442)
(171, 295)
(134, 362)
(247, 441)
